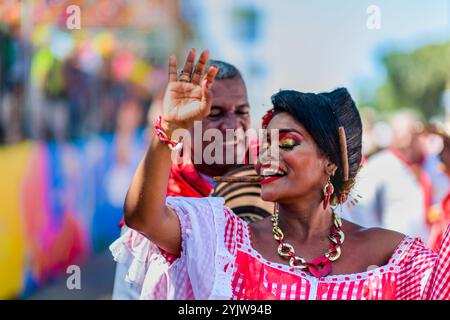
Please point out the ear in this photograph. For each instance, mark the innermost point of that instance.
(330, 168)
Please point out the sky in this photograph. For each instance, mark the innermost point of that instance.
(322, 44)
(329, 44)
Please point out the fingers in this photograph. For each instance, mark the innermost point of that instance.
(188, 75)
(200, 67)
(206, 106)
(172, 69)
(188, 66)
(207, 94)
(210, 76)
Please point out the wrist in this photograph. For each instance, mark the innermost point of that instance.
(164, 131)
(168, 127)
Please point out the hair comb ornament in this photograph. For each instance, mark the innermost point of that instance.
(345, 194)
(343, 143)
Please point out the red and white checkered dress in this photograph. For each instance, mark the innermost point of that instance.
(218, 262)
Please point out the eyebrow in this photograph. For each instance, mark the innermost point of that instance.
(239, 106)
(290, 130)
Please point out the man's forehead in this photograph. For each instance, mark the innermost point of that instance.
(235, 83)
(229, 89)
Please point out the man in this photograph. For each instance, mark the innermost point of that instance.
(395, 189)
(230, 110)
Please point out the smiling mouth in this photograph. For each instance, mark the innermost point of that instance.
(271, 174)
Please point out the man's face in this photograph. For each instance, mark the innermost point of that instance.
(230, 110)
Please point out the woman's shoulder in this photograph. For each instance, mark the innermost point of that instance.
(377, 244)
(388, 238)
(384, 236)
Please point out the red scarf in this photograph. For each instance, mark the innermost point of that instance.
(185, 181)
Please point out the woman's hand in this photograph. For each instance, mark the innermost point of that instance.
(188, 97)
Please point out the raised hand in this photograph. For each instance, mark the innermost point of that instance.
(188, 97)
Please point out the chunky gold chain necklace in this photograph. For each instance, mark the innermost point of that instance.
(319, 267)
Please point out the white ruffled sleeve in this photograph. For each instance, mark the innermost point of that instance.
(201, 270)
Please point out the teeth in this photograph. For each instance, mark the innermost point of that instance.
(271, 172)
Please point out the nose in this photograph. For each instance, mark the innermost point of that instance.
(264, 160)
(230, 121)
(269, 156)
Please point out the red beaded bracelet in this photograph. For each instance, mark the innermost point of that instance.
(173, 145)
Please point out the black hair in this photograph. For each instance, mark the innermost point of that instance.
(322, 114)
(226, 70)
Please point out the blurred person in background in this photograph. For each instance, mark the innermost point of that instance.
(56, 116)
(14, 70)
(3, 66)
(77, 95)
(395, 190)
(230, 110)
(434, 165)
(130, 149)
(439, 213)
(370, 145)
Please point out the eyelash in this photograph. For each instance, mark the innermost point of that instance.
(241, 113)
(287, 147)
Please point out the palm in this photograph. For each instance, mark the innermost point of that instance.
(188, 97)
(184, 102)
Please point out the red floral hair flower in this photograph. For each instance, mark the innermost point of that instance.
(267, 117)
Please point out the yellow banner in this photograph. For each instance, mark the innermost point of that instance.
(13, 162)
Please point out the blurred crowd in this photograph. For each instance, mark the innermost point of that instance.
(404, 181)
(57, 86)
(73, 113)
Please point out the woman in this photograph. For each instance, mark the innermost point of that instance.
(185, 248)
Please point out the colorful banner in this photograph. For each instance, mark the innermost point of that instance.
(143, 14)
(59, 204)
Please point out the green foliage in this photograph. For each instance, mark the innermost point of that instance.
(415, 80)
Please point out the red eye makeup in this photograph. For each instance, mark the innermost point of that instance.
(287, 139)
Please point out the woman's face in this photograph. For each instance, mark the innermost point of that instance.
(299, 170)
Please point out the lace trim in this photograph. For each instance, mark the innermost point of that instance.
(224, 260)
(141, 255)
(247, 234)
(391, 267)
(130, 250)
